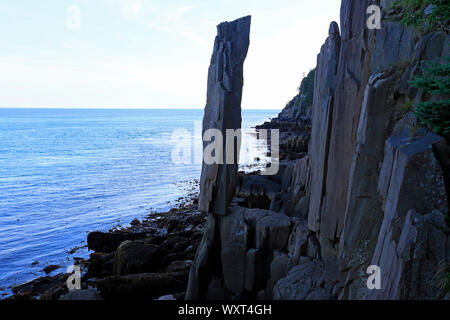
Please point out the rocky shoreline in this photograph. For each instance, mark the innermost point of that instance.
(151, 258)
(148, 258)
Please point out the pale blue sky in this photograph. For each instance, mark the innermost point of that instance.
(151, 53)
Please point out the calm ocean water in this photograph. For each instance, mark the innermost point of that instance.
(65, 172)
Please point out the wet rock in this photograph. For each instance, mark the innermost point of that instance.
(135, 222)
(79, 295)
(40, 285)
(109, 241)
(51, 268)
(100, 264)
(54, 293)
(138, 257)
(142, 286)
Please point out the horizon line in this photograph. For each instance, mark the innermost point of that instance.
(135, 108)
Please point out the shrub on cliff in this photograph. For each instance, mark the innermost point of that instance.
(435, 81)
(423, 14)
(307, 88)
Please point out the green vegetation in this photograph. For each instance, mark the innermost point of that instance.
(447, 222)
(307, 88)
(407, 106)
(423, 14)
(435, 81)
(445, 285)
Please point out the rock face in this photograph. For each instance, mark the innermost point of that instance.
(223, 111)
(308, 281)
(294, 121)
(370, 163)
(324, 88)
(250, 250)
(373, 189)
(218, 181)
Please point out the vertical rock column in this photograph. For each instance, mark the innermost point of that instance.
(222, 112)
(324, 89)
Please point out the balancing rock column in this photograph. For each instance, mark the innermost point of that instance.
(218, 180)
(223, 111)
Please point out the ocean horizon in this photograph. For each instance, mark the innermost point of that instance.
(65, 172)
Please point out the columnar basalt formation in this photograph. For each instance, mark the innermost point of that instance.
(372, 190)
(223, 111)
(218, 180)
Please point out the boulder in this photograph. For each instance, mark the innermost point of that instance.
(143, 286)
(272, 231)
(415, 266)
(100, 264)
(279, 267)
(109, 241)
(138, 257)
(79, 295)
(298, 242)
(309, 281)
(254, 187)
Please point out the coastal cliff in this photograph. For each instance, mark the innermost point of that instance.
(362, 182)
(372, 188)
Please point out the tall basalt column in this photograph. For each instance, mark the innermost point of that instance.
(218, 181)
(352, 77)
(324, 88)
(223, 111)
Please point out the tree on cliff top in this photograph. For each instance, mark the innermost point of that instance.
(307, 88)
(435, 81)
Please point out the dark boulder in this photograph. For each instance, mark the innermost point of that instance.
(138, 257)
(144, 286)
(108, 242)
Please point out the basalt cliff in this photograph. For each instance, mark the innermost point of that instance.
(361, 182)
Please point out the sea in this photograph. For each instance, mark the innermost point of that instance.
(67, 172)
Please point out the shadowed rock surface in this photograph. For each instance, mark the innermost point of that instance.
(371, 190)
(223, 111)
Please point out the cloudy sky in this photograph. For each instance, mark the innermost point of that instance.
(151, 53)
